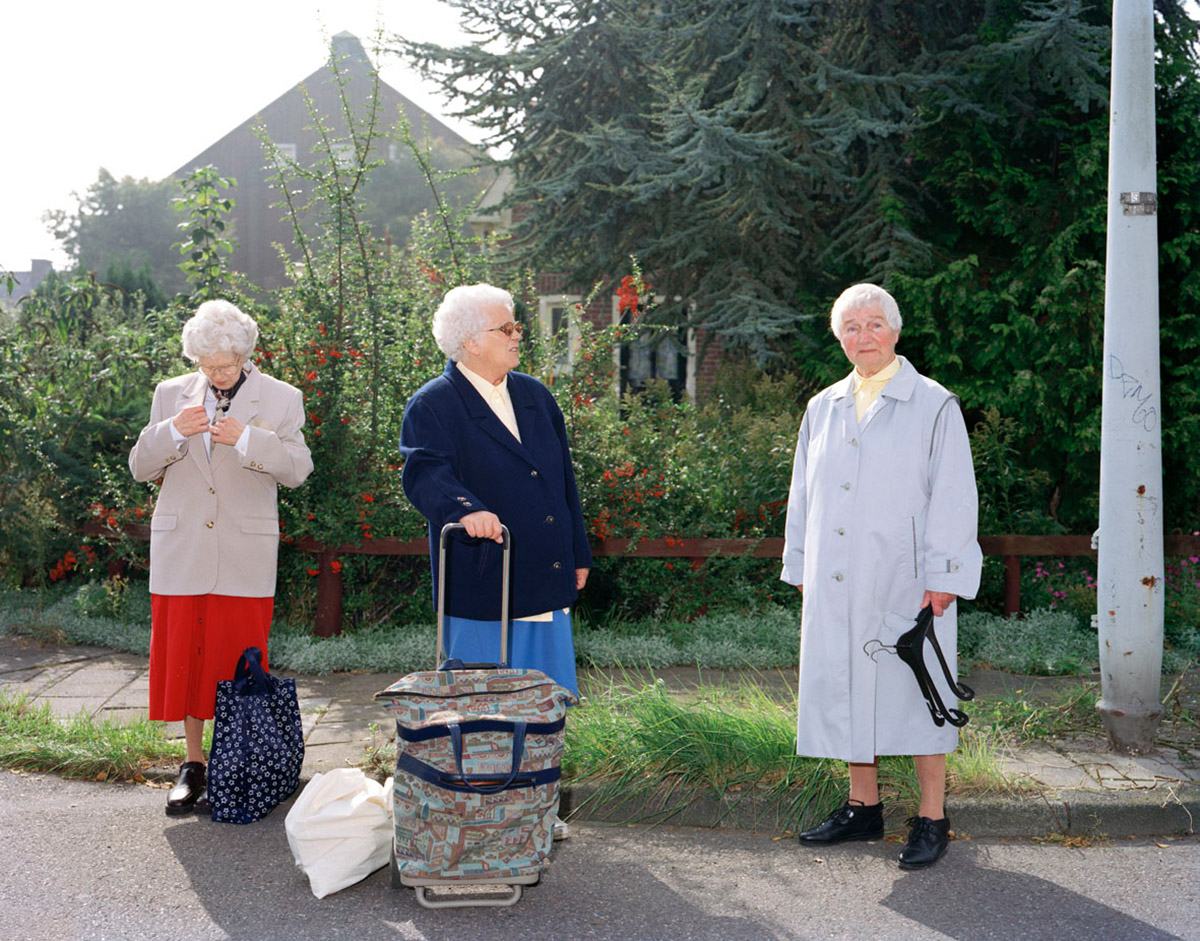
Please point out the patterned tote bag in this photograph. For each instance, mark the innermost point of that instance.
(258, 743)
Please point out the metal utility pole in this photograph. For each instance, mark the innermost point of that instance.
(1130, 592)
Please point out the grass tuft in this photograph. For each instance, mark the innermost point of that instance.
(32, 739)
(656, 752)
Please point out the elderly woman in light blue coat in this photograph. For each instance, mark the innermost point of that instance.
(881, 522)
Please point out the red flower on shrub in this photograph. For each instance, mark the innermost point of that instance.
(628, 295)
(335, 565)
(313, 571)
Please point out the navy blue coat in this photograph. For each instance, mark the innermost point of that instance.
(459, 458)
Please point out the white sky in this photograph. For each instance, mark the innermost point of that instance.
(140, 86)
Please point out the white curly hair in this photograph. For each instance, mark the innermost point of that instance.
(460, 317)
(858, 296)
(219, 327)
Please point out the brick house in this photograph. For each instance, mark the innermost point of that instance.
(239, 154)
(683, 359)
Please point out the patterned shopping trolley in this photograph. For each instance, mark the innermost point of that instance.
(477, 775)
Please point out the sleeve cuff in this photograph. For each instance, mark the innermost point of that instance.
(243, 442)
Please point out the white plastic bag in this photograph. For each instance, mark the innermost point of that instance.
(340, 829)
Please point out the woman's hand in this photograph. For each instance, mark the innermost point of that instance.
(940, 600)
(580, 578)
(227, 431)
(483, 524)
(191, 421)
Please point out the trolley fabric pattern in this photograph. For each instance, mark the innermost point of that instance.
(477, 771)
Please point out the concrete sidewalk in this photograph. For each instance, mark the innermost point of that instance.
(1062, 787)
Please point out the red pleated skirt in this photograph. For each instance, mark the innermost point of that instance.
(195, 641)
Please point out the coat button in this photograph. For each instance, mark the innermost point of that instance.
(210, 490)
(854, 442)
(549, 519)
(845, 486)
(557, 565)
(840, 531)
(533, 473)
(209, 524)
(838, 577)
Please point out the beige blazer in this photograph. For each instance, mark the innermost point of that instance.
(216, 523)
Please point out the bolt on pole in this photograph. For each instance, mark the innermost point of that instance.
(1130, 581)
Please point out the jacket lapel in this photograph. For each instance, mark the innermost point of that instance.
(899, 389)
(245, 404)
(481, 413)
(193, 395)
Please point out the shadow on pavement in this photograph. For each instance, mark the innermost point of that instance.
(245, 879)
(965, 900)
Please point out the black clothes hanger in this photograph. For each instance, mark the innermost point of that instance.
(910, 647)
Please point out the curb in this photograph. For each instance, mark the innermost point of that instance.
(1090, 814)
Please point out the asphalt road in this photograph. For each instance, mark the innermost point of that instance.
(89, 860)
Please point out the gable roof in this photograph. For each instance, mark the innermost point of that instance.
(288, 122)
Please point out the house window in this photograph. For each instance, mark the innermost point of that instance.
(343, 155)
(559, 327)
(669, 355)
(393, 153)
(284, 154)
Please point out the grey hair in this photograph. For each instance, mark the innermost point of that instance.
(858, 296)
(219, 327)
(460, 317)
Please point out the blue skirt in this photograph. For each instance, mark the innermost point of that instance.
(535, 645)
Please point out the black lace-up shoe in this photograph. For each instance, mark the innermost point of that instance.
(187, 790)
(927, 841)
(848, 822)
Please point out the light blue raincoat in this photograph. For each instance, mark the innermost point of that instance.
(879, 511)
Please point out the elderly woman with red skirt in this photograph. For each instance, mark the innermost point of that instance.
(220, 440)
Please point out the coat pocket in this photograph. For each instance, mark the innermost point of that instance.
(163, 521)
(908, 535)
(483, 556)
(260, 526)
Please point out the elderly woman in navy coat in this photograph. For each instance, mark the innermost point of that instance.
(484, 445)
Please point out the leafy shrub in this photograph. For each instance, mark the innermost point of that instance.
(1044, 642)
(77, 369)
(768, 638)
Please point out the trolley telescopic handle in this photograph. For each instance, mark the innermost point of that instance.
(506, 544)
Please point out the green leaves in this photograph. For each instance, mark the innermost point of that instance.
(205, 246)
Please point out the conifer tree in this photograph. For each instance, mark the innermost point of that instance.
(749, 152)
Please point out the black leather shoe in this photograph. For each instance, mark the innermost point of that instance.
(187, 790)
(202, 806)
(848, 822)
(927, 841)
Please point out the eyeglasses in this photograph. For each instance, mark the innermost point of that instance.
(229, 369)
(508, 329)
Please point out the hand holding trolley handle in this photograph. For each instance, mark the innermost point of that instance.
(482, 524)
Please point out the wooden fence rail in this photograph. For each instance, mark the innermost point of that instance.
(1012, 548)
